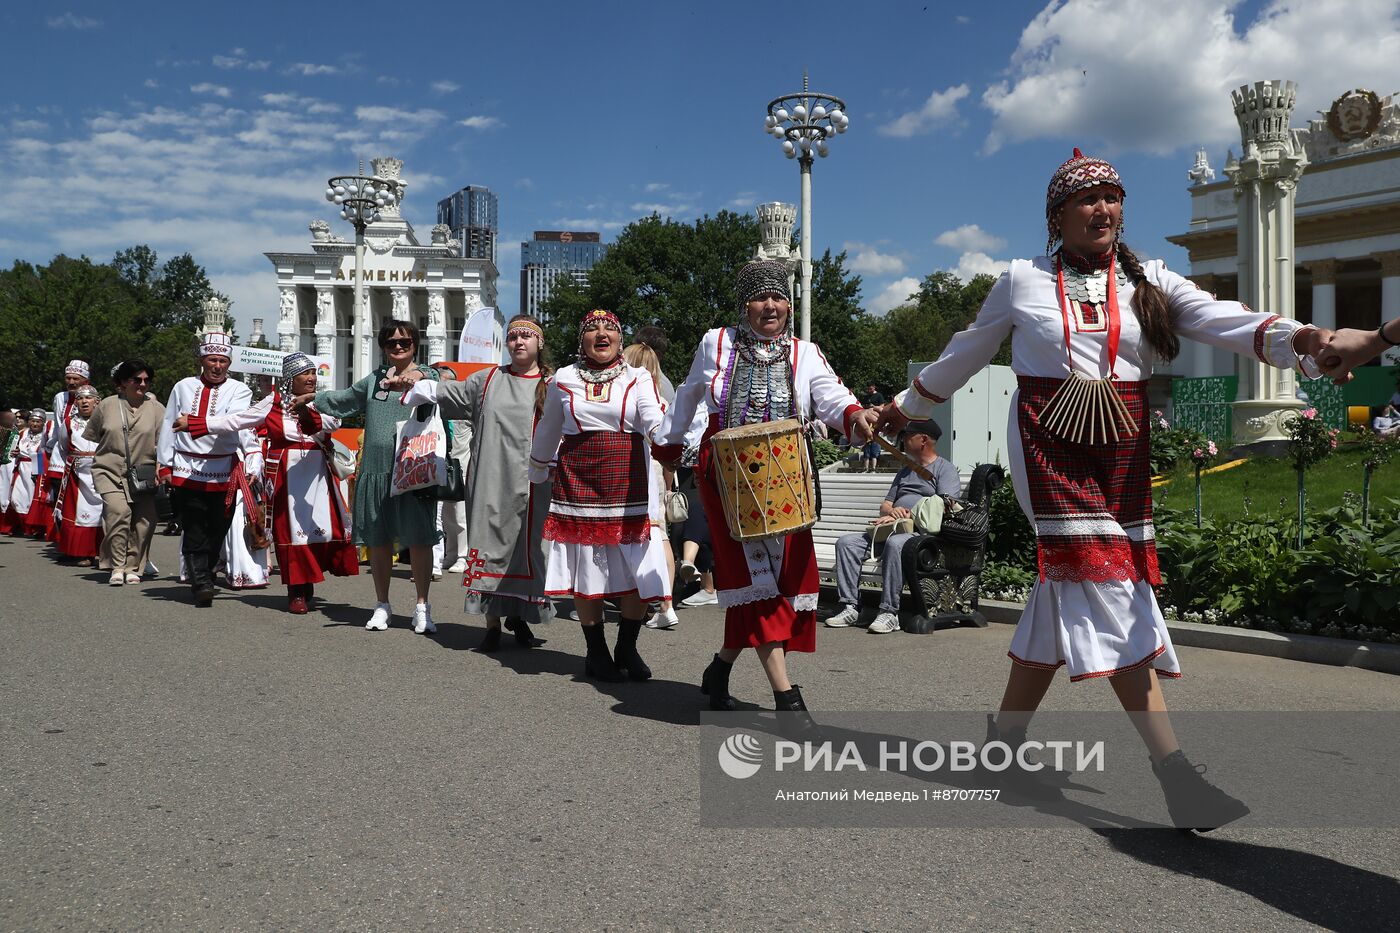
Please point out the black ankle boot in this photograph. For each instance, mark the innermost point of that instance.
(799, 726)
(490, 642)
(626, 654)
(523, 636)
(1036, 785)
(789, 701)
(714, 683)
(1192, 801)
(598, 662)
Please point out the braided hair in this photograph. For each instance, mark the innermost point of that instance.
(1150, 304)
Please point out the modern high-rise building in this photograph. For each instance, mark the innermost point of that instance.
(472, 215)
(549, 255)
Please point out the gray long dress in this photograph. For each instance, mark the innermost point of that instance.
(506, 567)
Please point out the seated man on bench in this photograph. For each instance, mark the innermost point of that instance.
(920, 438)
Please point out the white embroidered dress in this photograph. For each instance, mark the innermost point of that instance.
(1097, 624)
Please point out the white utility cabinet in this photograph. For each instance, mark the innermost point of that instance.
(975, 419)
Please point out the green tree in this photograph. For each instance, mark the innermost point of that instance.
(678, 276)
(102, 313)
(943, 306)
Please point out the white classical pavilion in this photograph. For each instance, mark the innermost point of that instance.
(429, 284)
(1340, 256)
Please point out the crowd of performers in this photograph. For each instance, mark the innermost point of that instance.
(564, 471)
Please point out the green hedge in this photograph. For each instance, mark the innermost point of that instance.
(1344, 582)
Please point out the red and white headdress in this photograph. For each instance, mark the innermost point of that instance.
(216, 345)
(1077, 173)
(77, 368)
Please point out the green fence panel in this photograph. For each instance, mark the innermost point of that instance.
(1203, 404)
(1328, 398)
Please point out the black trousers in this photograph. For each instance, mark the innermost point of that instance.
(202, 517)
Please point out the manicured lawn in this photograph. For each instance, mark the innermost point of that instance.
(1271, 486)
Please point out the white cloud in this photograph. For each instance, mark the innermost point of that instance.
(1090, 74)
(969, 237)
(304, 104)
(481, 123)
(387, 79)
(895, 294)
(444, 87)
(308, 69)
(962, 20)
(665, 210)
(587, 223)
(206, 88)
(526, 183)
(940, 108)
(743, 201)
(654, 186)
(868, 260)
(28, 126)
(168, 160)
(976, 263)
(237, 59)
(152, 82)
(73, 21)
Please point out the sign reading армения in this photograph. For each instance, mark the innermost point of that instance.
(385, 275)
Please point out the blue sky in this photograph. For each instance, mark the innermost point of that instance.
(212, 127)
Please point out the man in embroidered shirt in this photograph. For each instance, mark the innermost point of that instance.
(920, 440)
(200, 467)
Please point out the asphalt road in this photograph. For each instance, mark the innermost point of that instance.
(241, 768)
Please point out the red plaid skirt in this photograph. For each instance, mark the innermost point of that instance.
(1092, 504)
(600, 490)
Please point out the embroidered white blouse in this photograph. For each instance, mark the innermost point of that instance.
(818, 391)
(1025, 303)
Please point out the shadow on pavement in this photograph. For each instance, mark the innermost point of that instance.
(1313, 888)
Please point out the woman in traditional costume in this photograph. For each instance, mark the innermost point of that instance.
(593, 439)
(23, 475)
(310, 521)
(38, 521)
(1079, 450)
(79, 504)
(505, 559)
(9, 437)
(381, 519)
(756, 372)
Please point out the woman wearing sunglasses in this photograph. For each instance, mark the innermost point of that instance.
(125, 428)
(380, 520)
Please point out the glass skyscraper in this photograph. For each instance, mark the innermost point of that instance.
(549, 255)
(472, 215)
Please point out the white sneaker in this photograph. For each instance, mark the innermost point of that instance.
(689, 572)
(116, 579)
(423, 618)
(458, 566)
(667, 618)
(437, 574)
(133, 578)
(885, 623)
(380, 620)
(700, 598)
(843, 619)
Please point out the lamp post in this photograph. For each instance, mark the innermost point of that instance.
(805, 122)
(360, 197)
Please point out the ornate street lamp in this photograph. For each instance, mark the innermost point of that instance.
(360, 198)
(805, 122)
